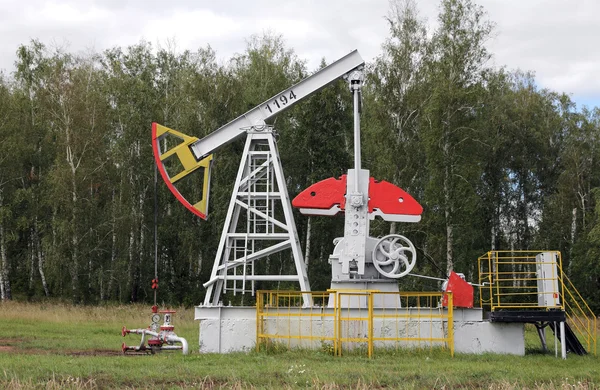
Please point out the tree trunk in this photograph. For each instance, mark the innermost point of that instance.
(113, 248)
(2, 293)
(142, 239)
(41, 263)
(582, 199)
(573, 232)
(131, 264)
(449, 248)
(101, 283)
(74, 244)
(140, 252)
(448, 217)
(41, 257)
(54, 212)
(515, 281)
(73, 166)
(199, 268)
(5, 291)
(31, 252)
(307, 248)
(90, 268)
(525, 239)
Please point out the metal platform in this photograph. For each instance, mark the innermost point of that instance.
(541, 319)
(527, 316)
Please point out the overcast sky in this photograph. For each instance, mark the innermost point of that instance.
(558, 39)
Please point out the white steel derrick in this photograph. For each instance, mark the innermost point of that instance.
(259, 223)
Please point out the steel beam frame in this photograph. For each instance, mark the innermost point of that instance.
(253, 227)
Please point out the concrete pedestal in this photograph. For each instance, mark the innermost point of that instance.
(233, 329)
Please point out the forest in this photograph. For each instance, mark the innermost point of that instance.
(497, 162)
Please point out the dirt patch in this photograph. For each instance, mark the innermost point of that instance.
(95, 352)
(11, 346)
(4, 342)
(8, 345)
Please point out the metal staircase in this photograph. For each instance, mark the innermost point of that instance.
(581, 319)
(531, 287)
(572, 342)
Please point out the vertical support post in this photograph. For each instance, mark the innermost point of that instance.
(335, 321)
(370, 322)
(338, 305)
(563, 341)
(561, 295)
(355, 86)
(479, 282)
(259, 296)
(220, 329)
(356, 228)
(491, 276)
(451, 323)
(555, 342)
(497, 282)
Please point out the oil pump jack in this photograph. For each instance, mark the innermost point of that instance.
(259, 223)
(259, 220)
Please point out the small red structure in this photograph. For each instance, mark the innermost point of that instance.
(461, 290)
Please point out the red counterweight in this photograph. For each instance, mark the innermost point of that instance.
(386, 200)
(323, 195)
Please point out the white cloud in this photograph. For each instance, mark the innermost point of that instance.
(190, 27)
(53, 13)
(555, 38)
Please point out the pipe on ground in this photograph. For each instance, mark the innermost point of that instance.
(163, 337)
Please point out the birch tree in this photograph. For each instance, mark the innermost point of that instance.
(456, 64)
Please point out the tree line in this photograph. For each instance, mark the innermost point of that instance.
(497, 162)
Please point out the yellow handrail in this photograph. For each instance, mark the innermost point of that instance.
(512, 280)
(585, 322)
(353, 318)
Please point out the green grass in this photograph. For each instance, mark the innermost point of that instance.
(59, 346)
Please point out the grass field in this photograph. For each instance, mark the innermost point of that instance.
(56, 346)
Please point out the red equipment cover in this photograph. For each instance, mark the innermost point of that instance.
(461, 290)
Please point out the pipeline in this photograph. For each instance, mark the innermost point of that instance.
(177, 339)
(157, 342)
(158, 338)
